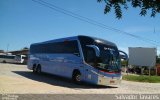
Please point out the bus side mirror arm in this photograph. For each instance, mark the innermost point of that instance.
(125, 54)
(96, 49)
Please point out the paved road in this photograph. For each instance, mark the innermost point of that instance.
(19, 80)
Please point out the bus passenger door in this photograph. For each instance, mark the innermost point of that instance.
(90, 59)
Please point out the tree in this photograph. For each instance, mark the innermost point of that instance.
(157, 60)
(25, 48)
(144, 5)
(124, 62)
(1, 51)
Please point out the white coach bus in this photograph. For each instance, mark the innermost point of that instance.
(7, 58)
(81, 58)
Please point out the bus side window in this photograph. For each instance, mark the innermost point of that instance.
(90, 55)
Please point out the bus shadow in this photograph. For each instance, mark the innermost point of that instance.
(19, 63)
(58, 81)
(13, 63)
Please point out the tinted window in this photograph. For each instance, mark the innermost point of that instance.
(84, 40)
(2, 56)
(90, 55)
(24, 57)
(10, 57)
(7, 57)
(59, 47)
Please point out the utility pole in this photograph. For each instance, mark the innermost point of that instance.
(7, 47)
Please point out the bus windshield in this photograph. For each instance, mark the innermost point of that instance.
(109, 59)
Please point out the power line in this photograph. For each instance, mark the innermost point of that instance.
(93, 22)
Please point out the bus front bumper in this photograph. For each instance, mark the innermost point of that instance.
(103, 80)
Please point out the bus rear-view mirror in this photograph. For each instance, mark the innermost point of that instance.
(123, 55)
(96, 49)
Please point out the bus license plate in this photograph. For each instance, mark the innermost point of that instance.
(112, 81)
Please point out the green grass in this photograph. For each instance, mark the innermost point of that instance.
(142, 78)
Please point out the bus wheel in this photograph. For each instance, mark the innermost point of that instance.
(76, 77)
(4, 61)
(38, 69)
(34, 69)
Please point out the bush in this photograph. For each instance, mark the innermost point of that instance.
(142, 78)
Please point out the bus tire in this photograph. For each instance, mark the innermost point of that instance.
(38, 69)
(4, 61)
(76, 76)
(34, 69)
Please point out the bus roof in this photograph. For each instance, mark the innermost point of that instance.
(101, 40)
(76, 38)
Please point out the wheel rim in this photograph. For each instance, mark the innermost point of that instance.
(78, 78)
(38, 70)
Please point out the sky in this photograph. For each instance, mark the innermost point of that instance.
(23, 22)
